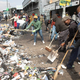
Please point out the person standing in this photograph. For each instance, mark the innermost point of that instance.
(15, 20)
(38, 17)
(31, 19)
(44, 17)
(59, 28)
(0, 18)
(41, 19)
(47, 22)
(37, 28)
(26, 19)
(74, 17)
(6, 19)
(12, 21)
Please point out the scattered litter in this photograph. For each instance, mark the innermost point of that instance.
(79, 63)
(42, 62)
(61, 72)
(41, 49)
(15, 63)
(63, 66)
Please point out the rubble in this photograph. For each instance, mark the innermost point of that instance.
(15, 64)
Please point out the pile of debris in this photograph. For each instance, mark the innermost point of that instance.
(16, 65)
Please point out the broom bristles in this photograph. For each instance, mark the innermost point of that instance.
(48, 48)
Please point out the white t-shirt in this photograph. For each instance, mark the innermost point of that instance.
(15, 18)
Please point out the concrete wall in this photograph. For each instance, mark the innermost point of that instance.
(41, 5)
(35, 11)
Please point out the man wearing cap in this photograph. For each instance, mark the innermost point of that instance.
(72, 26)
(72, 30)
(75, 47)
(37, 28)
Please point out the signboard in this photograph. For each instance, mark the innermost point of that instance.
(64, 2)
(19, 7)
(7, 9)
(75, 3)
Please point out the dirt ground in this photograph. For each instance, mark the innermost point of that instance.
(34, 51)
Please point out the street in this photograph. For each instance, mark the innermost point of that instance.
(38, 54)
(39, 39)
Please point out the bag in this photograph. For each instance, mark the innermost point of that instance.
(15, 24)
(24, 26)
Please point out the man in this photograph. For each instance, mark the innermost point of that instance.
(72, 30)
(74, 17)
(60, 29)
(41, 19)
(37, 28)
(6, 18)
(52, 31)
(47, 22)
(78, 10)
(60, 26)
(0, 18)
(31, 19)
(72, 26)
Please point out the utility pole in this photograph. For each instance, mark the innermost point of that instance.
(32, 7)
(10, 10)
(7, 6)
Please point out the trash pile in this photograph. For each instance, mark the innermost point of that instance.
(15, 65)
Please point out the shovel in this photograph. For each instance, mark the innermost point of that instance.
(48, 48)
(53, 55)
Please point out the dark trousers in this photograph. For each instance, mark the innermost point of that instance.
(73, 57)
(15, 27)
(47, 27)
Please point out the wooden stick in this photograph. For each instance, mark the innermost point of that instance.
(58, 68)
(52, 40)
(22, 30)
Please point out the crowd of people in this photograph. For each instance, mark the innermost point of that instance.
(64, 29)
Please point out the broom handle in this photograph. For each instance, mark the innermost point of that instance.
(60, 46)
(69, 46)
(22, 30)
(52, 40)
(58, 49)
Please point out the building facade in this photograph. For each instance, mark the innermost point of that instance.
(48, 7)
(34, 6)
(54, 7)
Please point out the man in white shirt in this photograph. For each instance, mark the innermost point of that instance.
(74, 16)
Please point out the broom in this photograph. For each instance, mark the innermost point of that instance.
(48, 48)
(21, 30)
(58, 68)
